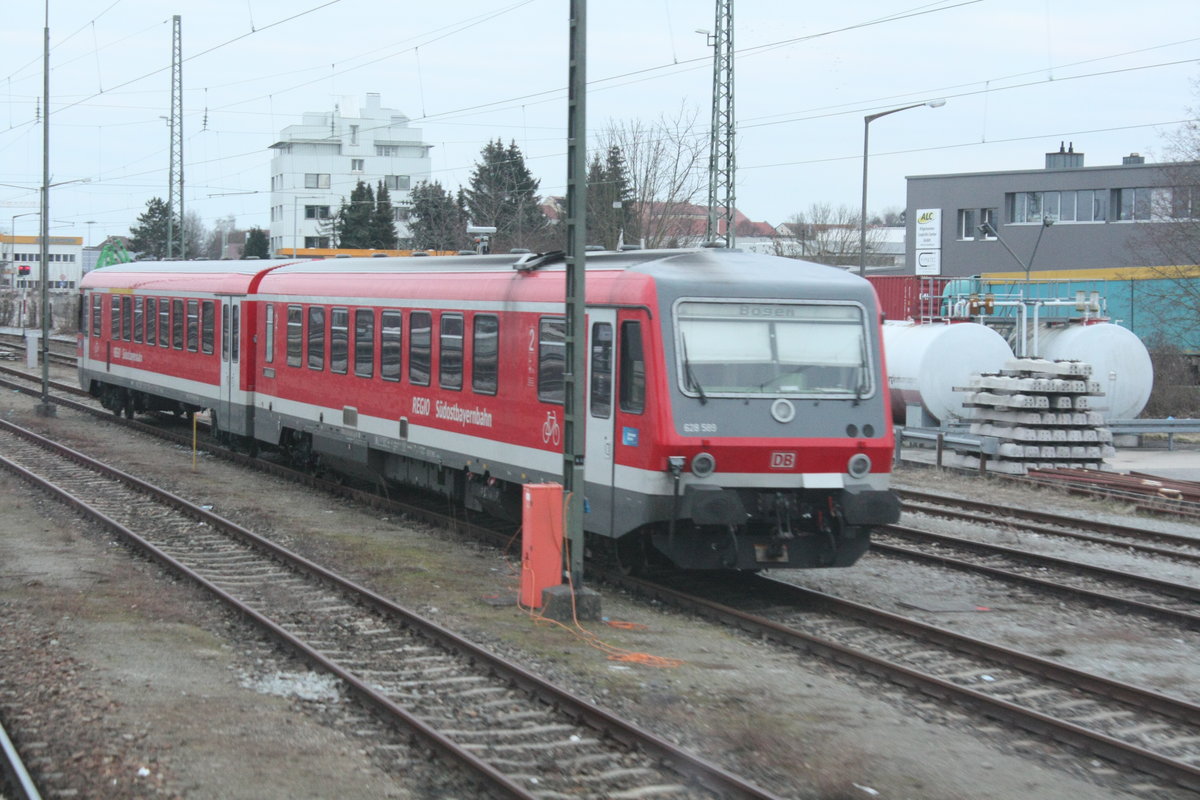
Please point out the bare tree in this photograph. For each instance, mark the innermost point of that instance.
(1172, 237)
(666, 163)
(826, 234)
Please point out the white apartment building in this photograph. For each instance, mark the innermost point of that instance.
(318, 162)
(21, 262)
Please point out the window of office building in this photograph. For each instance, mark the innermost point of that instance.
(316, 180)
(316, 212)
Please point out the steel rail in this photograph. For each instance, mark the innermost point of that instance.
(935, 510)
(689, 765)
(1034, 721)
(994, 511)
(1185, 618)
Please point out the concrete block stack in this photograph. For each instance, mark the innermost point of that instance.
(1041, 412)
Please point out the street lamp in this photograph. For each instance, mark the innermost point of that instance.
(862, 229)
(12, 251)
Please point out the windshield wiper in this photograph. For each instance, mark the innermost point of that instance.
(691, 376)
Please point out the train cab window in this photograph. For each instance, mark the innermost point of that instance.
(601, 372)
(485, 354)
(552, 358)
(420, 347)
(269, 352)
(450, 352)
(747, 349)
(139, 307)
(339, 340)
(364, 342)
(316, 337)
(633, 369)
(208, 326)
(193, 325)
(97, 313)
(295, 336)
(151, 320)
(126, 317)
(390, 345)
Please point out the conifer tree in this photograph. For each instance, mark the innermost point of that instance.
(503, 193)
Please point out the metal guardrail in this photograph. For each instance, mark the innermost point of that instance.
(1169, 426)
(989, 445)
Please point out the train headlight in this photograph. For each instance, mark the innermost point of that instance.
(703, 465)
(859, 465)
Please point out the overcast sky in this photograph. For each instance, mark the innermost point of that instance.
(1018, 77)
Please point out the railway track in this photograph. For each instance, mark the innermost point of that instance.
(1117, 753)
(1174, 602)
(515, 733)
(1144, 730)
(1125, 537)
(61, 353)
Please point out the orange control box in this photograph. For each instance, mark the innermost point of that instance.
(541, 540)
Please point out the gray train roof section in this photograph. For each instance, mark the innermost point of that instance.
(701, 270)
(232, 267)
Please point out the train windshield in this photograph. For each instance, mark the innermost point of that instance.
(735, 349)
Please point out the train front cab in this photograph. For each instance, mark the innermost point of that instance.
(769, 445)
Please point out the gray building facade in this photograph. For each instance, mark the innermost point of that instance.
(1065, 216)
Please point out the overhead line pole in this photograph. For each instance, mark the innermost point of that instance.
(574, 414)
(45, 407)
(175, 177)
(721, 158)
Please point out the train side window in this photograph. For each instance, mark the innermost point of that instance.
(485, 354)
(601, 378)
(420, 347)
(126, 317)
(114, 317)
(139, 307)
(450, 352)
(552, 354)
(269, 354)
(208, 326)
(390, 345)
(633, 369)
(193, 325)
(97, 313)
(316, 337)
(151, 320)
(295, 336)
(177, 324)
(164, 322)
(339, 340)
(364, 342)
(235, 344)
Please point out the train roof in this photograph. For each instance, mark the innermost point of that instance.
(678, 272)
(225, 276)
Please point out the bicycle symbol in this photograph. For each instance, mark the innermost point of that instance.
(550, 429)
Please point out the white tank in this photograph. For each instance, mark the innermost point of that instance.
(1120, 363)
(926, 361)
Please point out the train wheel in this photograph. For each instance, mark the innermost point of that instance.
(629, 552)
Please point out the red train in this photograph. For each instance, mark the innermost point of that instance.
(737, 413)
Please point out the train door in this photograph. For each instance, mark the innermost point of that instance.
(230, 410)
(598, 466)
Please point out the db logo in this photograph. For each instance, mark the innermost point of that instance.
(783, 460)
